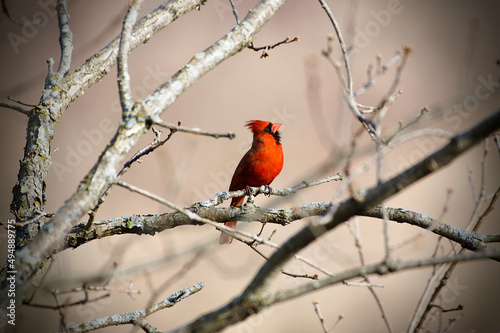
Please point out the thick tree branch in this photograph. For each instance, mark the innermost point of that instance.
(194, 217)
(152, 224)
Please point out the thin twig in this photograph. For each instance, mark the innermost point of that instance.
(497, 141)
(19, 102)
(235, 12)
(85, 288)
(304, 276)
(457, 308)
(197, 131)
(417, 318)
(339, 318)
(34, 219)
(348, 85)
(487, 210)
(61, 312)
(343, 46)
(175, 277)
(394, 89)
(50, 264)
(357, 240)
(58, 306)
(220, 197)
(253, 245)
(15, 107)
(425, 110)
(320, 316)
(157, 142)
(125, 90)
(328, 53)
(266, 48)
(381, 70)
(482, 193)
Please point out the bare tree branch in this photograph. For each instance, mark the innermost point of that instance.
(467, 239)
(220, 197)
(59, 306)
(126, 99)
(65, 38)
(229, 135)
(380, 70)
(235, 12)
(266, 48)
(14, 107)
(348, 88)
(152, 224)
(320, 316)
(357, 240)
(137, 317)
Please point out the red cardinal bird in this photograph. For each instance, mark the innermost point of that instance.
(259, 166)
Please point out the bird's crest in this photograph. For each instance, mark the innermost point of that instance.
(257, 126)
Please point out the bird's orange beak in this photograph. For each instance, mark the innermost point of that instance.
(275, 127)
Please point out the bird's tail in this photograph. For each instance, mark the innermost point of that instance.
(225, 238)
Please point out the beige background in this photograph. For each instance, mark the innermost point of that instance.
(455, 47)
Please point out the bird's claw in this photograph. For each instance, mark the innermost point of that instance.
(268, 190)
(248, 190)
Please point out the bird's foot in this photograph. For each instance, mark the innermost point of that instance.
(249, 190)
(268, 190)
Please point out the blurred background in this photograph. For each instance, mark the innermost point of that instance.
(453, 70)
